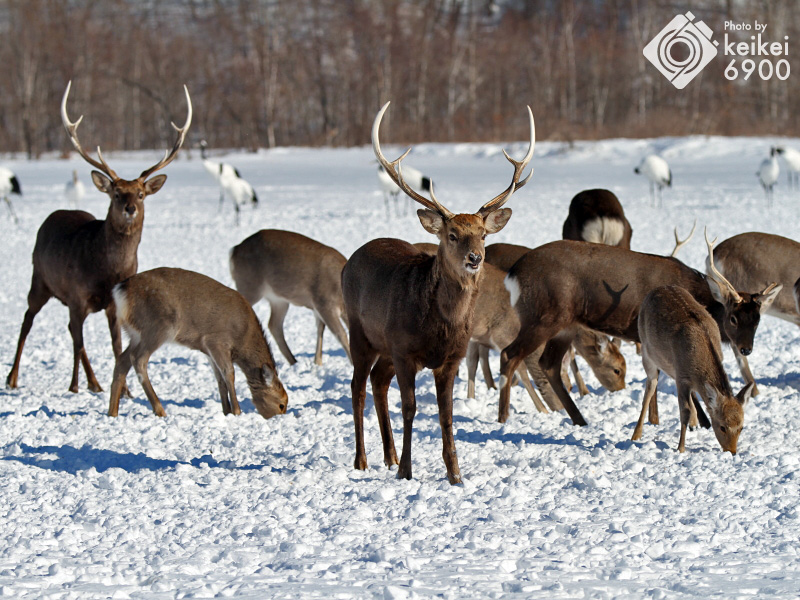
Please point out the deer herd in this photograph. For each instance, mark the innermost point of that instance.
(397, 308)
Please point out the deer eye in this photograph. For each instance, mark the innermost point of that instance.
(723, 429)
(734, 322)
(141, 195)
(453, 237)
(616, 371)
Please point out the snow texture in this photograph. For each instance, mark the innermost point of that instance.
(199, 505)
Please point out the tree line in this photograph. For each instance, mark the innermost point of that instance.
(266, 73)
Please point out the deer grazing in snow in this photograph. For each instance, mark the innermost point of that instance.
(563, 284)
(288, 268)
(79, 259)
(751, 261)
(408, 310)
(681, 338)
(173, 305)
(597, 216)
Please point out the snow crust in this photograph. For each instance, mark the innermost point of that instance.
(198, 505)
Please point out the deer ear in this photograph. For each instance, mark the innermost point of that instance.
(269, 374)
(496, 220)
(102, 182)
(719, 292)
(711, 395)
(152, 185)
(745, 394)
(432, 221)
(767, 297)
(602, 343)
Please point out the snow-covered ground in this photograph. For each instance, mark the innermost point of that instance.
(201, 505)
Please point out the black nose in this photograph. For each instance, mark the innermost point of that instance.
(475, 259)
(130, 209)
(745, 351)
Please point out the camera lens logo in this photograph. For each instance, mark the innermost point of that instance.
(682, 49)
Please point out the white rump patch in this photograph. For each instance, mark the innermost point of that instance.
(603, 230)
(512, 285)
(121, 301)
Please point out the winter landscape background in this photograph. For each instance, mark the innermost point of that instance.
(200, 505)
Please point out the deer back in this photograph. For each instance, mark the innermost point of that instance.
(597, 216)
(272, 262)
(503, 256)
(752, 261)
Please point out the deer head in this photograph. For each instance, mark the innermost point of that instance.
(126, 211)
(461, 236)
(742, 310)
(727, 414)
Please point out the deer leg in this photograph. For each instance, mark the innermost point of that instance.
(653, 409)
(702, 418)
(551, 364)
(332, 319)
(121, 367)
(526, 383)
(744, 368)
(573, 364)
(76, 319)
(472, 367)
(444, 377)
(37, 298)
(405, 380)
(222, 360)
(685, 405)
(278, 310)
(483, 353)
(222, 386)
(381, 378)
(116, 340)
(139, 358)
(540, 379)
(363, 357)
(320, 332)
(512, 355)
(649, 393)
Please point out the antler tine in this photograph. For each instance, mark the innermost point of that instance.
(72, 130)
(519, 167)
(394, 170)
(719, 277)
(679, 243)
(169, 155)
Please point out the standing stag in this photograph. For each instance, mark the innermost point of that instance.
(751, 261)
(288, 268)
(680, 338)
(410, 310)
(563, 284)
(187, 308)
(79, 259)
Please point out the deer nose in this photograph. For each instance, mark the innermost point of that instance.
(745, 351)
(474, 259)
(130, 209)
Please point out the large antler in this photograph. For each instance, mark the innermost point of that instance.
(394, 170)
(72, 130)
(519, 167)
(715, 274)
(680, 243)
(169, 155)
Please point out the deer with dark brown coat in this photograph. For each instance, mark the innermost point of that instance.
(79, 259)
(681, 338)
(408, 310)
(187, 308)
(289, 268)
(563, 284)
(596, 216)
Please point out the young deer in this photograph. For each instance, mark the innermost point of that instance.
(562, 284)
(680, 338)
(190, 309)
(289, 268)
(603, 355)
(751, 261)
(410, 310)
(597, 216)
(79, 259)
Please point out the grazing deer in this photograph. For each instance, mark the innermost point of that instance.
(410, 310)
(681, 338)
(288, 268)
(751, 261)
(563, 284)
(187, 308)
(597, 216)
(603, 355)
(79, 259)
